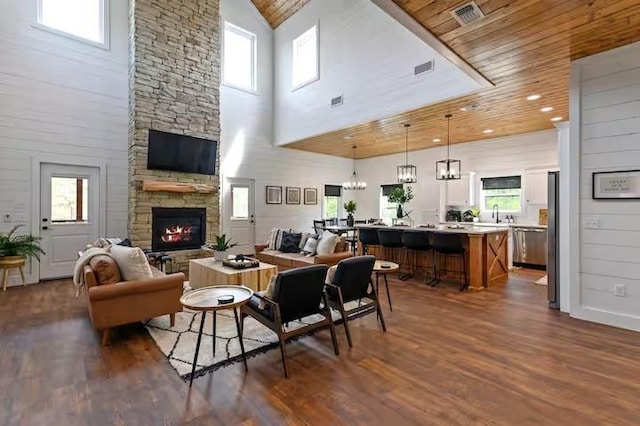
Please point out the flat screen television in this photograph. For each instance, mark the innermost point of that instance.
(180, 153)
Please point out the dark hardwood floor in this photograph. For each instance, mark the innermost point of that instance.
(495, 357)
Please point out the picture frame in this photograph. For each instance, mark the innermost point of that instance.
(616, 185)
(293, 195)
(273, 194)
(311, 196)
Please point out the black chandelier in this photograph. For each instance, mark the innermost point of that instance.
(407, 173)
(354, 183)
(448, 169)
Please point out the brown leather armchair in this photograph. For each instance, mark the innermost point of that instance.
(111, 305)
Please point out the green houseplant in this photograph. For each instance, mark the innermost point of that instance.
(220, 247)
(350, 207)
(471, 215)
(401, 196)
(13, 247)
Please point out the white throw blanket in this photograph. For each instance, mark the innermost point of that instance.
(85, 258)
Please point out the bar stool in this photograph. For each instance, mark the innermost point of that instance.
(445, 246)
(418, 242)
(390, 240)
(368, 237)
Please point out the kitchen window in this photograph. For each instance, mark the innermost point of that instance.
(239, 58)
(387, 209)
(305, 58)
(505, 192)
(84, 20)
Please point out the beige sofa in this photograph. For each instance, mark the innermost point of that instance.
(286, 261)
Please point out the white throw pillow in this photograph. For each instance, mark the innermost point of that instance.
(132, 262)
(327, 243)
(304, 236)
(310, 247)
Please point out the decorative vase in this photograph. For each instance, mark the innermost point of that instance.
(476, 219)
(399, 212)
(350, 220)
(219, 256)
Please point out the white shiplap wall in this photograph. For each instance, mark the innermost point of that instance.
(60, 98)
(365, 55)
(606, 94)
(505, 156)
(247, 149)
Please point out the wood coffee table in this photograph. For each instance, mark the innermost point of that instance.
(206, 272)
(206, 299)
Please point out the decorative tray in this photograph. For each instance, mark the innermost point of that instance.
(244, 263)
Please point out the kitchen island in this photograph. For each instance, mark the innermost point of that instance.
(486, 252)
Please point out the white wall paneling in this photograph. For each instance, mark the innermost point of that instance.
(352, 35)
(247, 148)
(60, 98)
(605, 100)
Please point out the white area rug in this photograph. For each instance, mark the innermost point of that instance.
(542, 281)
(178, 343)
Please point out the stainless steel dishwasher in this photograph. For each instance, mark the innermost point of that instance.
(530, 246)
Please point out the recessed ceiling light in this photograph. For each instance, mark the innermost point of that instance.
(533, 97)
(471, 107)
(487, 131)
(436, 140)
(556, 119)
(347, 137)
(546, 109)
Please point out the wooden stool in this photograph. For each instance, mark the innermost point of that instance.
(11, 262)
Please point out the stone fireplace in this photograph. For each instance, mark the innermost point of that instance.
(174, 74)
(178, 228)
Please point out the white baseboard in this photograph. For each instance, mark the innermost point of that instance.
(613, 319)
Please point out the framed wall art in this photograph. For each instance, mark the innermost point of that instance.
(274, 194)
(616, 185)
(293, 195)
(310, 196)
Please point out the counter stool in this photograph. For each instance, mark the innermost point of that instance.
(368, 237)
(445, 246)
(390, 240)
(418, 242)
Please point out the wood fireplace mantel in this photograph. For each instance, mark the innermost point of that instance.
(158, 186)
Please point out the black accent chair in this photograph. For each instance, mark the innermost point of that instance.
(298, 293)
(368, 237)
(352, 281)
(417, 243)
(445, 246)
(318, 226)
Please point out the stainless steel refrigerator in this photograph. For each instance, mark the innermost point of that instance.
(553, 218)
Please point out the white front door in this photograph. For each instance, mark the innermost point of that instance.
(69, 215)
(240, 214)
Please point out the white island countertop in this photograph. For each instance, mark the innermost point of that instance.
(499, 225)
(469, 229)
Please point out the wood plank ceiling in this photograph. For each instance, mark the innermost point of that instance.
(524, 47)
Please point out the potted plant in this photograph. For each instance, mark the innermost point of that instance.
(19, 247)
(472, 215)
(220, 247)
(350, 207)
(401, 196)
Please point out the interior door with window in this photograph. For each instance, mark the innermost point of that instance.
(69, 216)
(241, 215)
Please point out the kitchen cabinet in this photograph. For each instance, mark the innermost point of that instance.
(535, 185)
(458, 192)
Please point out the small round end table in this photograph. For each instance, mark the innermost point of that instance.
(382, 267)
(206, 299)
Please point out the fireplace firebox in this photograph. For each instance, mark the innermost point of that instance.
(178, 228)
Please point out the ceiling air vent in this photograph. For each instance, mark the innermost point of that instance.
(423, 68)
(337, 101)
(467, 13)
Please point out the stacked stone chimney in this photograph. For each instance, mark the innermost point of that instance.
(174, 74)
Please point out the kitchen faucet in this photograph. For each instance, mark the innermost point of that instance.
(495, 210)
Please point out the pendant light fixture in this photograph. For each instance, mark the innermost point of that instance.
(354, 183)
(448, 169)
(407, 173)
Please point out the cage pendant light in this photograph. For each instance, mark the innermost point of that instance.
(448, 169)
(407, 173)
(354, 183)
